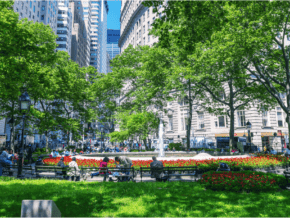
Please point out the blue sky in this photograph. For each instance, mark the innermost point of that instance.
(113, 19)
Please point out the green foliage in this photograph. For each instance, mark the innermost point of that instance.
(177, 146)
(103, 199)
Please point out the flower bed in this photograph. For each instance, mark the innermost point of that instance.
(242, 181)
(205, 165)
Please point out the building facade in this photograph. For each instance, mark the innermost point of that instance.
(112, 44)
(54, 13)
(64, 27)
(136, 22)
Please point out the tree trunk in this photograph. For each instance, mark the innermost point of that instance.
(149, 142)
(46, 141)
(190, 115)
(144, 140)
(232, 116)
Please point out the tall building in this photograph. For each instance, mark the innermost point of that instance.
(54, 13)
(112, 44)
(136, 22)
(91, 28)
(38, 11)
(64, 27)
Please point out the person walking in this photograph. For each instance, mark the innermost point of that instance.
(74, 171)
(29, 156)
(125, 162)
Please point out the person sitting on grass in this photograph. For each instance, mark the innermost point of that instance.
(104, 163)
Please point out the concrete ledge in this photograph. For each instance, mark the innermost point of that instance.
(135, 153)
(39, 208)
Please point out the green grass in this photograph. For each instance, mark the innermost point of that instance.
(172, 199)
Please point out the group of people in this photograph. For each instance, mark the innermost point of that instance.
(7, 158)
(66, 153)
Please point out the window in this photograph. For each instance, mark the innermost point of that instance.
(148, 23)
(144, 29)
(170, 123)
(144, 41)
(220, 122)
(30, 4)
(265, 120)
(222, 95)
(61, 46)
(17, 9)
(153, 18)
(38, 4)
(33, 17)
(48, 20)
(42, 17)
(37, 13)
(43, 8)
(279, 117)
(200, 120)
(148, 12)
(143, 17)
(79, 3)
(22, 5)
(78, 7)
(61, 32)
(33, 8)
(139, 33)
(20, 14)
(29, 14)
(241, 118)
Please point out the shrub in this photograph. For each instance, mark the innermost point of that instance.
(177, 146)
(243, 181)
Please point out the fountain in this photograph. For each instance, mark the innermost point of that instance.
(161, 145)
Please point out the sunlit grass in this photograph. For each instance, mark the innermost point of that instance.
(172, 199)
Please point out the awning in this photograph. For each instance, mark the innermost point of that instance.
(271, 134)
(228, 135)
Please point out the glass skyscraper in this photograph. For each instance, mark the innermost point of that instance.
(113, 49)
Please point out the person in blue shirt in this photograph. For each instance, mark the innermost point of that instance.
(66, 153)
(57, 153)
(4, 159)
(273, 151)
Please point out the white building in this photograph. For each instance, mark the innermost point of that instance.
(54, 13)
(136, 22)
(38, 11)
(64, 27)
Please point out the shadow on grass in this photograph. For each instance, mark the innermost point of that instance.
(172, 199)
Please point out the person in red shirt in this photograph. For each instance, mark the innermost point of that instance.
(103, 164)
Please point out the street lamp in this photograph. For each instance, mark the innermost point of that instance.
(102, 143)
(11, 121)
(249, 126)
(24, 103)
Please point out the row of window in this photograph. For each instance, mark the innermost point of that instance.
(221, 121)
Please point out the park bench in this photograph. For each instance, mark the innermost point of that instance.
(14, 168)
(169, 172)
(51, 171)
(86, 171)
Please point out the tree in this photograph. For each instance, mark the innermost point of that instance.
(137, 123)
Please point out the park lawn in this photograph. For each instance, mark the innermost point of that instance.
(171, 199)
